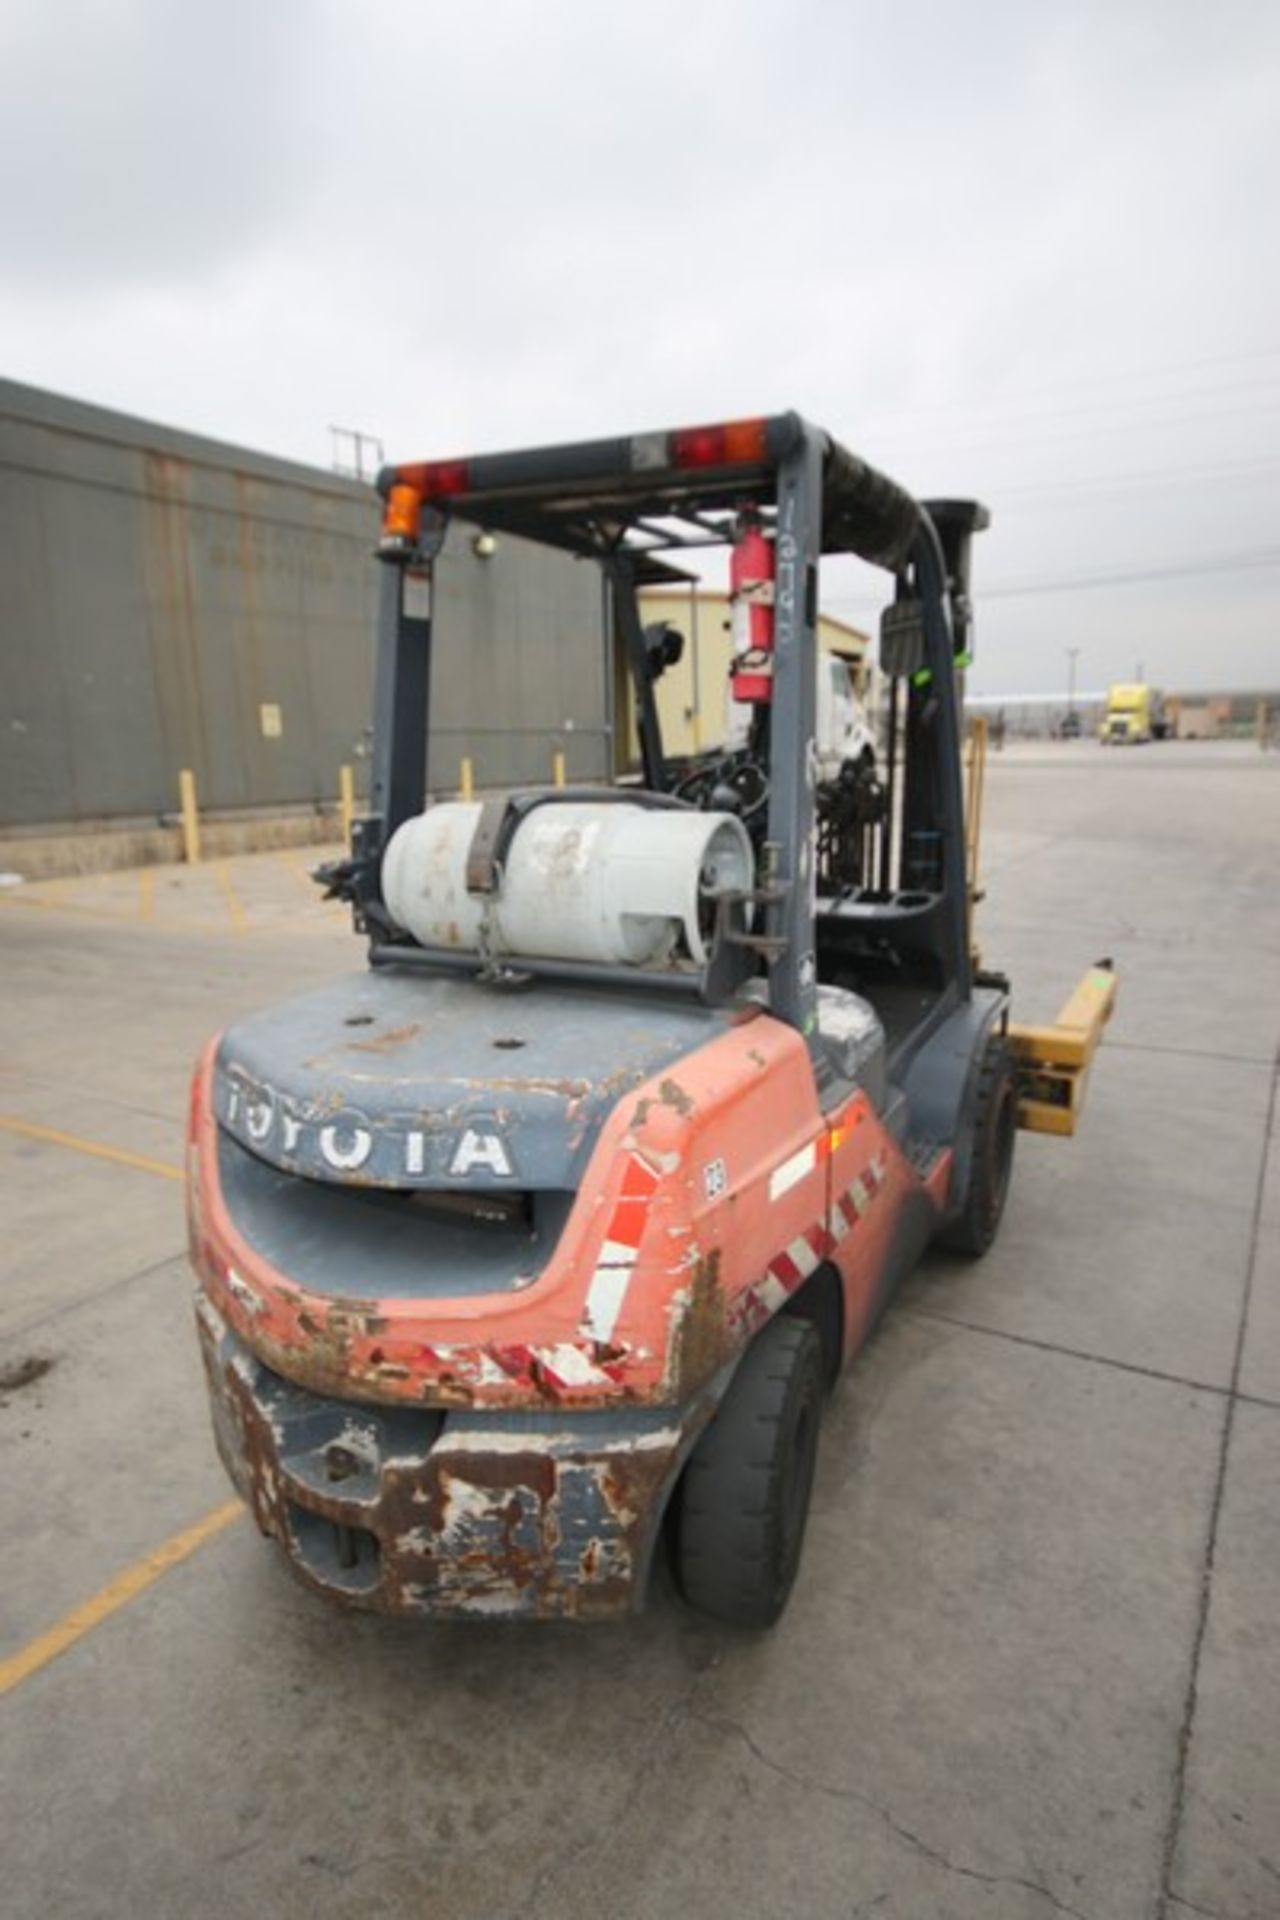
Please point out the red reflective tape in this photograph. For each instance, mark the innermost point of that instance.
(627, 1222)
(568, 1368)
(784, 1268)
(639, 1180)
(819, 1239)
(639, 1184)
(518, 1361)
(748, 1312)
(548, 1374)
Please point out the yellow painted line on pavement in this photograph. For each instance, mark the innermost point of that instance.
(239, 919)
(55, 904)
(109, 1599)
(118, 917)
(299, 869)
(51, 1136)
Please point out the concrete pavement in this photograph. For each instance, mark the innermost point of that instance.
(1032, 1665)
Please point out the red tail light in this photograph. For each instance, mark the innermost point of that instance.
(734, 443)
(438, 479)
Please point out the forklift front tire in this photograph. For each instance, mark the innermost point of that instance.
(995, 1126)
(745, 1494)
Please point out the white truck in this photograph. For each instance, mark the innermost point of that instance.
(843, 730)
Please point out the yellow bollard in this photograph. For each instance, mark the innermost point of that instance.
(466, 784)
(190, 817)
(557, 769)
(977, 772)
(346, 801)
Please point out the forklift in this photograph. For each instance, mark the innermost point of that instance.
(533, 1248)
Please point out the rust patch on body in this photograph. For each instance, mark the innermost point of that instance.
(387, 1042)
(495, 1473)
(564, 1089)
(632, 1483)
(673, 1095)
(670, 1094)
(698, 1344)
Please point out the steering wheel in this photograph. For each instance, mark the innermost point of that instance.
(733, 785)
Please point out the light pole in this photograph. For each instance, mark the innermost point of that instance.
(1071, 681)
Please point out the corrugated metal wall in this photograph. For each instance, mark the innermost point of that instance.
(165, 601)
(520, 668)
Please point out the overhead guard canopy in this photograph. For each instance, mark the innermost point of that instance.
(594, 497)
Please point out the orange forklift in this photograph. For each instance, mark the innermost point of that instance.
(534, 1246)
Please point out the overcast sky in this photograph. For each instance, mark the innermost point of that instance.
(1024, 251)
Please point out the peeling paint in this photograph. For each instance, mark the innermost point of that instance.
(386, 1042)
(480, 1521)
(699, 1334)
(673, 1095)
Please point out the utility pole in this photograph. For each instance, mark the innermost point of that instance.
(1072, 654)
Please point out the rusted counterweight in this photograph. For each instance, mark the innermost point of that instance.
(414, 1511)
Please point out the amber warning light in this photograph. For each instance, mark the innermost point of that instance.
(401, 520)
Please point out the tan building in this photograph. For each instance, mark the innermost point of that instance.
(1220, 716)
(692, 695)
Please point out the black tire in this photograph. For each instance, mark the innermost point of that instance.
(744, 1497)
(995, 1127)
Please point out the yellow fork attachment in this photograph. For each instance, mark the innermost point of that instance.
(1053, 1062)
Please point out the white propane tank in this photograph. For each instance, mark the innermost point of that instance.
(605, 882)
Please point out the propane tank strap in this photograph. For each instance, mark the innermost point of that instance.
(482, 864)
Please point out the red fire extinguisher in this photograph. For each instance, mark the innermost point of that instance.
(751, 574)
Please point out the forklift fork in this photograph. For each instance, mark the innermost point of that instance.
(1053, 1062)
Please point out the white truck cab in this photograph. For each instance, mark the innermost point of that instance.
(843, 731)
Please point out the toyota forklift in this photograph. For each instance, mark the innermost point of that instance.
(534, 1246)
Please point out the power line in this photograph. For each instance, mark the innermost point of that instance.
(1096, 380)
(1083, 582)
(1228, 563)
(1147, 475)
(1131, 428)
(1114, 403)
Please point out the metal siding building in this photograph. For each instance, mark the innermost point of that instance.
(521, 665)
(168, 601)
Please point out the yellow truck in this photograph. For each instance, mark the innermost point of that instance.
(1135, 714)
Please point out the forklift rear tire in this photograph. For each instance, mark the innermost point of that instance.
(744, 1498)
(995, 1126)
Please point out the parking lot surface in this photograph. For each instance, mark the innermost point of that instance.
(1032, 1664)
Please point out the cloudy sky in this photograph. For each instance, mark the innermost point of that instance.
(1023, 251)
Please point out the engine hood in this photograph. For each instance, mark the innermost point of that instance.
(402, 1080)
